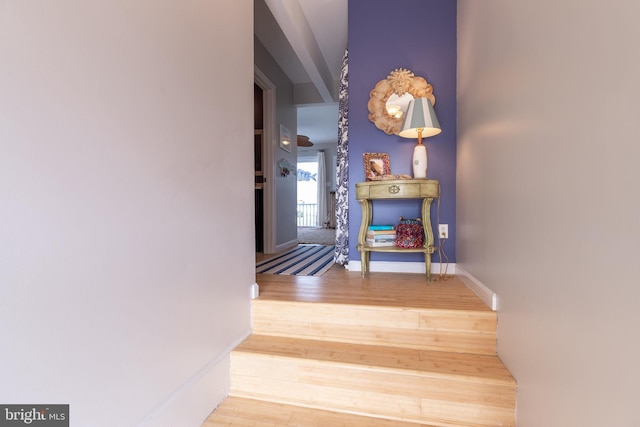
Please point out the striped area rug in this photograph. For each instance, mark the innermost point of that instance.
(303, 260)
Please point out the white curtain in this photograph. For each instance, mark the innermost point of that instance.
(321, 180)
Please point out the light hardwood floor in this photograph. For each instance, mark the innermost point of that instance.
(390, 349)
(340, 286)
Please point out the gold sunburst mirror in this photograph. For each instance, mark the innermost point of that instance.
(389, 99)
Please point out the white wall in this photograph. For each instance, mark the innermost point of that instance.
(126, 205)
(548, 216)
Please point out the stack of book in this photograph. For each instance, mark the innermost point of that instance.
(381, 235)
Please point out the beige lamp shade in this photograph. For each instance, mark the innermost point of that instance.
(420, 116)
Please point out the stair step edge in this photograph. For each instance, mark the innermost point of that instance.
(235, 407)
(385, 306)
(377, 420)
(427, 363)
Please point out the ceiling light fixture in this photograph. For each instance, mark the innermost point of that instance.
(303, 141)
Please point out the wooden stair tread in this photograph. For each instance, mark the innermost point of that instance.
(369, 315)
(486, 369)
(339, 286)
(354, 305)
(461, 331)
(237, 411)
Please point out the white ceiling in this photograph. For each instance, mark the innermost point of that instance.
(308, 39)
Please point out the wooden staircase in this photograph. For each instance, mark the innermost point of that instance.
(387, 350)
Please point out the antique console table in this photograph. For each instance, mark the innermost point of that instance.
(366, 192)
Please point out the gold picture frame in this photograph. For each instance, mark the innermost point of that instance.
(376, 165)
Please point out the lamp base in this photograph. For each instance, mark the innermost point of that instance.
(419, 161)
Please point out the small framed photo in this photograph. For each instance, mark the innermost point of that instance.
(285, 139)
(376, 165)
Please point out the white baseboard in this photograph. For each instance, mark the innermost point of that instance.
(487, 295)
(192, 403)
(402, 267)
(484, 293)
(283, 246)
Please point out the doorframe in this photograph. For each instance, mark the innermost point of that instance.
(268, 165)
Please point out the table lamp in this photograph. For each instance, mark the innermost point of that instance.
(420, 121)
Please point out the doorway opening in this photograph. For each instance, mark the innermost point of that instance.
(265, 119)
(307, 214)
(315, 212)
(258, 166)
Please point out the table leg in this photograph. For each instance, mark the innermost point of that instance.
(364, 262)
(428, 234)
(362, 235)
(427, 262)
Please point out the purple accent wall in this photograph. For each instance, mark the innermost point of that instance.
(419, 35)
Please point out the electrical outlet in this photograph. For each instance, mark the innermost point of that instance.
(443, 231)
